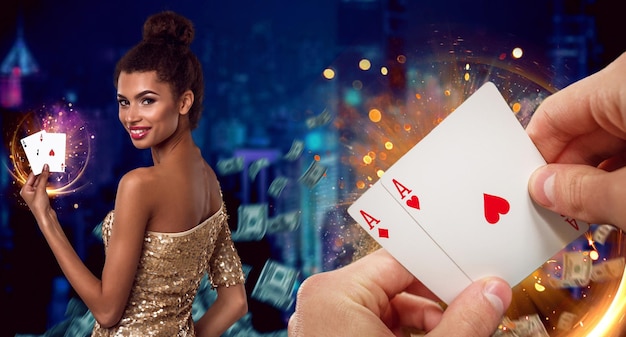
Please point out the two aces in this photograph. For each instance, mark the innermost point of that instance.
(45, 148)
(455, 208)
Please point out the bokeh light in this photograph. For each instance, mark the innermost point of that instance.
(375, 115)
(328, 73)
(365, 64)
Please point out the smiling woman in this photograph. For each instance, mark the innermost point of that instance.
(150, 114)
(169, 226)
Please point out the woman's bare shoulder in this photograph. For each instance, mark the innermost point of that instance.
(139, 177)
(136, 198)
(213, 179)
(140, 184)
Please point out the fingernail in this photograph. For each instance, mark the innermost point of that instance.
(46, 167)
(543, 186)
(497, 292)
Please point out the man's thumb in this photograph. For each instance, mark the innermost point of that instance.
(477, 311)
(580, 191)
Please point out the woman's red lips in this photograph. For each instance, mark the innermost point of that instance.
(138, 132)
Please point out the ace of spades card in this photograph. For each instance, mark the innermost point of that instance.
(32, 145)
(461, 206)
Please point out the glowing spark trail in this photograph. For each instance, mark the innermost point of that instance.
(58, 118)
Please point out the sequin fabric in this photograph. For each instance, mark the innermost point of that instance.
(169, 273)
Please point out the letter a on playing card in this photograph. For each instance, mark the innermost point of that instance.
(382, 217)
(369, 220)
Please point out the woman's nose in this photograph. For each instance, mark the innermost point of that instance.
(131, 114)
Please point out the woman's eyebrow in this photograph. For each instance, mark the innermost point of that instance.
(141, 94)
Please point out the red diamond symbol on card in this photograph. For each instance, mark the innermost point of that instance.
(383, 233)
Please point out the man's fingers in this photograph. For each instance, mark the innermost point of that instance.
(373, 270)
(581, 191)
(592, 104)
(477, 311)
(408, 310)
(327, 304)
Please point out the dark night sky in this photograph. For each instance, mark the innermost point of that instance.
(80, 41)
(69, 23)
(68, 38)
(70, 26)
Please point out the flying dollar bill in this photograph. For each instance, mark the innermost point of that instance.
(276, 285)
(75, 308)
(243, 328)
(313, 174)
(230, 165)
(246, 268)
(602, 233)
(252, 222)
(257, 166)
(505, 329)
(97, 232)
(285, 222)
(277, 186)
(530, 326)
(577, 268)
(322, 119)
(81, 326)
(297, 146)
(526, 326)
(608, 270)
(566, 320)
(205, 296)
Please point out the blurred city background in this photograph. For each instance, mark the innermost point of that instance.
(284, 82)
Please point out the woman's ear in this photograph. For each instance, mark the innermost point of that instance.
(186, 101)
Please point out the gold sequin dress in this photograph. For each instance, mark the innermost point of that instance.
(169, 273)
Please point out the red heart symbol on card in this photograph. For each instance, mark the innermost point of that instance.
(494, 206)
(51, 153)
(413, 202)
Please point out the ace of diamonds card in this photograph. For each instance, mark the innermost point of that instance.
(465, 188)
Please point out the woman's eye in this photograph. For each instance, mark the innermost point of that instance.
(147, 101)
(122, 102)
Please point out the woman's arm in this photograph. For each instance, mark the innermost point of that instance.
(231, 304)
(132, 212)
(105, 298)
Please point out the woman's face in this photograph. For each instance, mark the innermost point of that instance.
(147, 108)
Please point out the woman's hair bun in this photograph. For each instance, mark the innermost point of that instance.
(168, 27)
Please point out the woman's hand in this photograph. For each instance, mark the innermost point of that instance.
(34, 193)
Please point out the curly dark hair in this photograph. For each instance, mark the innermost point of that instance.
(165, 49)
